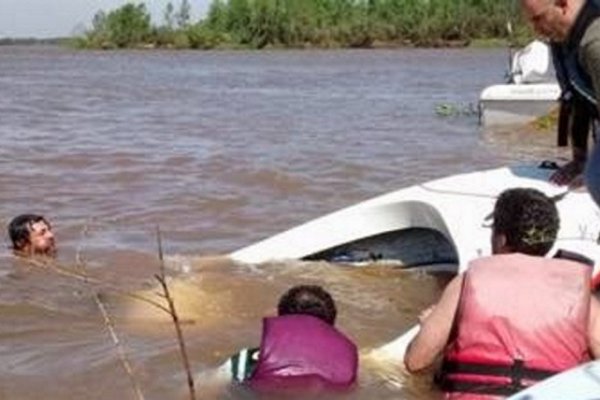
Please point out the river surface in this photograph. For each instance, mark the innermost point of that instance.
(219, 150)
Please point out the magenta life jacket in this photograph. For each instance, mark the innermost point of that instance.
(520, 319)
(301, 350)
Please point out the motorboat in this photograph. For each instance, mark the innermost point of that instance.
(512, 104)
(531, 90)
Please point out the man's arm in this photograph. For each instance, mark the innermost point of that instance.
(579, 121)
(435, 329)
(589, 56)
(578, 127)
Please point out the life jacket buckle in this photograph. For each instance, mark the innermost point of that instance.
(517, 371)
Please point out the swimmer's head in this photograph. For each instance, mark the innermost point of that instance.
(32, 234)
(308, 300)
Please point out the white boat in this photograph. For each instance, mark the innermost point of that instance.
(453, 210)
(512, 104)
(531, 92)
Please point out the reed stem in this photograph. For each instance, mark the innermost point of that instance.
(161, 278)
(109, 323)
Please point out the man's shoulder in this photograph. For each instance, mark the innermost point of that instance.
(591, 36)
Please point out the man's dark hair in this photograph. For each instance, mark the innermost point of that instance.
(20, 228)
(309, 300)
(529, 220)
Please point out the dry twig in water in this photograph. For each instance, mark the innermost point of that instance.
(162, 279)
(120, 349)
(108, 322)
(78, 275)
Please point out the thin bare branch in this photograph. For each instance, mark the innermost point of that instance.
(182, 348)
(82, 235)
(108, 322)
(64, 271)
(120, 349)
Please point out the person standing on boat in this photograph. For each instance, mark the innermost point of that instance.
(31, 234)
(573, 27)
(300, 348)
(515, 317)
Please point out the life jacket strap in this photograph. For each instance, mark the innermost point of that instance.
(573, 256)
(517, 372)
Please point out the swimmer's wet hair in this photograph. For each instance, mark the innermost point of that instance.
(20, 228)
(308, 300)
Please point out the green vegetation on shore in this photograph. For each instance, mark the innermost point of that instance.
(33, 41)
(309, 23)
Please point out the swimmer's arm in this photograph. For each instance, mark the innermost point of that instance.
(435, 329)
(594, 327)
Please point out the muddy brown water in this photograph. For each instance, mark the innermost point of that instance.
(219, 149)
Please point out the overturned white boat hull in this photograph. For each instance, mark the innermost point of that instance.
(511, 104)
(456, 207)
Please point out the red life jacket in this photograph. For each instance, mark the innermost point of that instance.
(304, 351)
(520, 319)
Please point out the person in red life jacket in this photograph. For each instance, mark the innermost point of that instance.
(515, 317)
(300, 347)
(30, 235)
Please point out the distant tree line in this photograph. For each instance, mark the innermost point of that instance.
(7, 41)
(308, 23)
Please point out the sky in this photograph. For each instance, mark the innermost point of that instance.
(55, 18)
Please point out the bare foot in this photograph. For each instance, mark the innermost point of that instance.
(569, 174)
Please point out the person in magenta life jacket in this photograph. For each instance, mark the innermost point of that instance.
(300, 347)
(515, 317)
